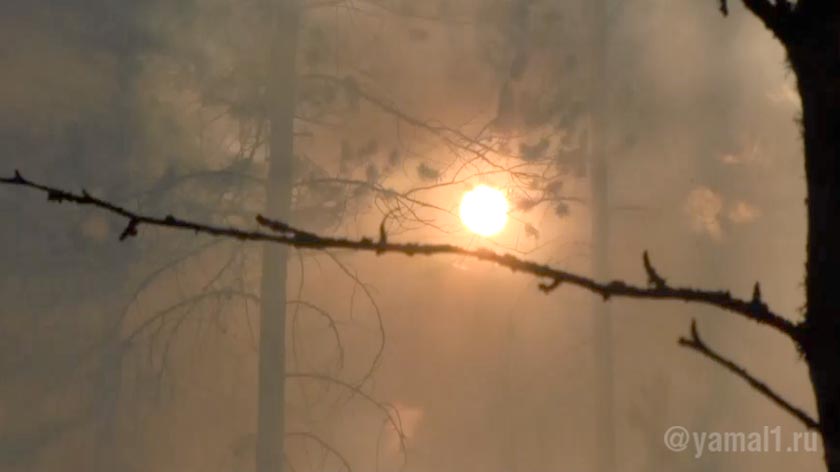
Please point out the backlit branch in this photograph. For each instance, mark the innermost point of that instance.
(392, 418)
(696, 343)
(452, 137)
(279, 232)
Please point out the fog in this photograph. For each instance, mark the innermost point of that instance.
(142, 354)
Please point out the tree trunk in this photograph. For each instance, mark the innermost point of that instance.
(599, 188)
(284, 19)
(815, 56)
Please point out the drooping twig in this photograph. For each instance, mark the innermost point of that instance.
(324, 444)
(696, 343)
(391, 418)
(331, 323)
(282, 233)
(380, 351)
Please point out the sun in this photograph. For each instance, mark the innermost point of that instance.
(484, 210)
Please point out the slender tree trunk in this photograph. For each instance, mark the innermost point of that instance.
(603, 341)
(284, 18)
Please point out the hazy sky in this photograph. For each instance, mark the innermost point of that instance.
(142, 355)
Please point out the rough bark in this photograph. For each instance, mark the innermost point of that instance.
(284, 17)
(814, 53)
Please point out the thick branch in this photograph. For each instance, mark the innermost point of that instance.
(279, 232)
(696, 343)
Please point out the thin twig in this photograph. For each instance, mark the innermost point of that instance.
(696, 343)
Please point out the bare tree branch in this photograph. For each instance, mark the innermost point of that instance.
(324, 444)
(696, 343)
(453, 137)
(282, 233)
(392, 418)
(330, 322)
(380, 351)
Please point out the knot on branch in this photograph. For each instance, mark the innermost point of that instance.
(695, 341)
(548, 287)
(130, 229)
(654, 279)
(274, 225)
(757, 302)
(383, 239)
(55, 196)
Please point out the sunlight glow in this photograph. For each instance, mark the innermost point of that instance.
(484, 210)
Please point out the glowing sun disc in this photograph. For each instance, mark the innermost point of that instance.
(484, 210)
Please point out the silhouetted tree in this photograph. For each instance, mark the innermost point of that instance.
(809, 31)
